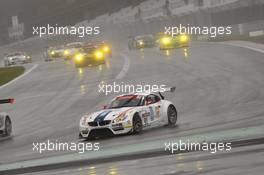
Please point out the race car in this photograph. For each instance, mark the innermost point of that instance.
(5, 120)
(54, 52)
(129, 113)
(90, 54)
(71, 49)
(140, 42)
(168, 42)
(16, 58)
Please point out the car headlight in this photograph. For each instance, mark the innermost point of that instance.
(183, 38)
(78, 58)
(141, 43)
(166, 40)
(106, 49)
(1, 122)
(66, 52)
(52, 52)
(99, 54)
(83, 121)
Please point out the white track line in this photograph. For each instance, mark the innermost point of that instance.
(243, 46)
(19, 77)
(125, 68)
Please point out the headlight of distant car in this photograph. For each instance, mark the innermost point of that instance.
(52, 52)
(166, 40)
(78, 58)
(66, 52)
(121, 117)
(141, 43)
(99, 55)
(184, 38)
(1, 122)
(106, 49)
(28, 57)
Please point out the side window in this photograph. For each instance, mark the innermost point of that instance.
(150, 99)
(157, 98)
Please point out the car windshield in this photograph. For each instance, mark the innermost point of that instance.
(59, 47)
(88, 49)
(74, 45)
(145, 37)
(14, 54)
(126, 101)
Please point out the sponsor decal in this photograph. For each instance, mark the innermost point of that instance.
(145, 114)
(152, 115)
(158, 111)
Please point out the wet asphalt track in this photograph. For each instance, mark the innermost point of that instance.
(218, 87)
(243, 160)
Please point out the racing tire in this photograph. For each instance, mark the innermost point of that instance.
(137, 124)
(90, 138)
(6, 64)
(172, 115)
(8, 127)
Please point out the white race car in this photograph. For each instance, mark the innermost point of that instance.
(5, 120)
(16, 58)
(130, 113)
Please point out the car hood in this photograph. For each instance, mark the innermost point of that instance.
(106, 114)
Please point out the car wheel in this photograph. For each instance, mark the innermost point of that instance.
(90, 138)
(8, 127)
(137, 124)
(6, 64)
(172, 115)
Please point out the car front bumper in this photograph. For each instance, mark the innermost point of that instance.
(174, 45)
(110, 129)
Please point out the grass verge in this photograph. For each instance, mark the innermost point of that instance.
(9, 73)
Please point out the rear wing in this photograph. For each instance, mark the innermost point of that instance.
(9, 100)
(169, 89)
(163, 90)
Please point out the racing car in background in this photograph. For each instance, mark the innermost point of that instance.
(171, 42)
(54, 52)
(141, 41)
(5, 120)
(71, 49)
(129, 113)
(89, 54)
(16, 58)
